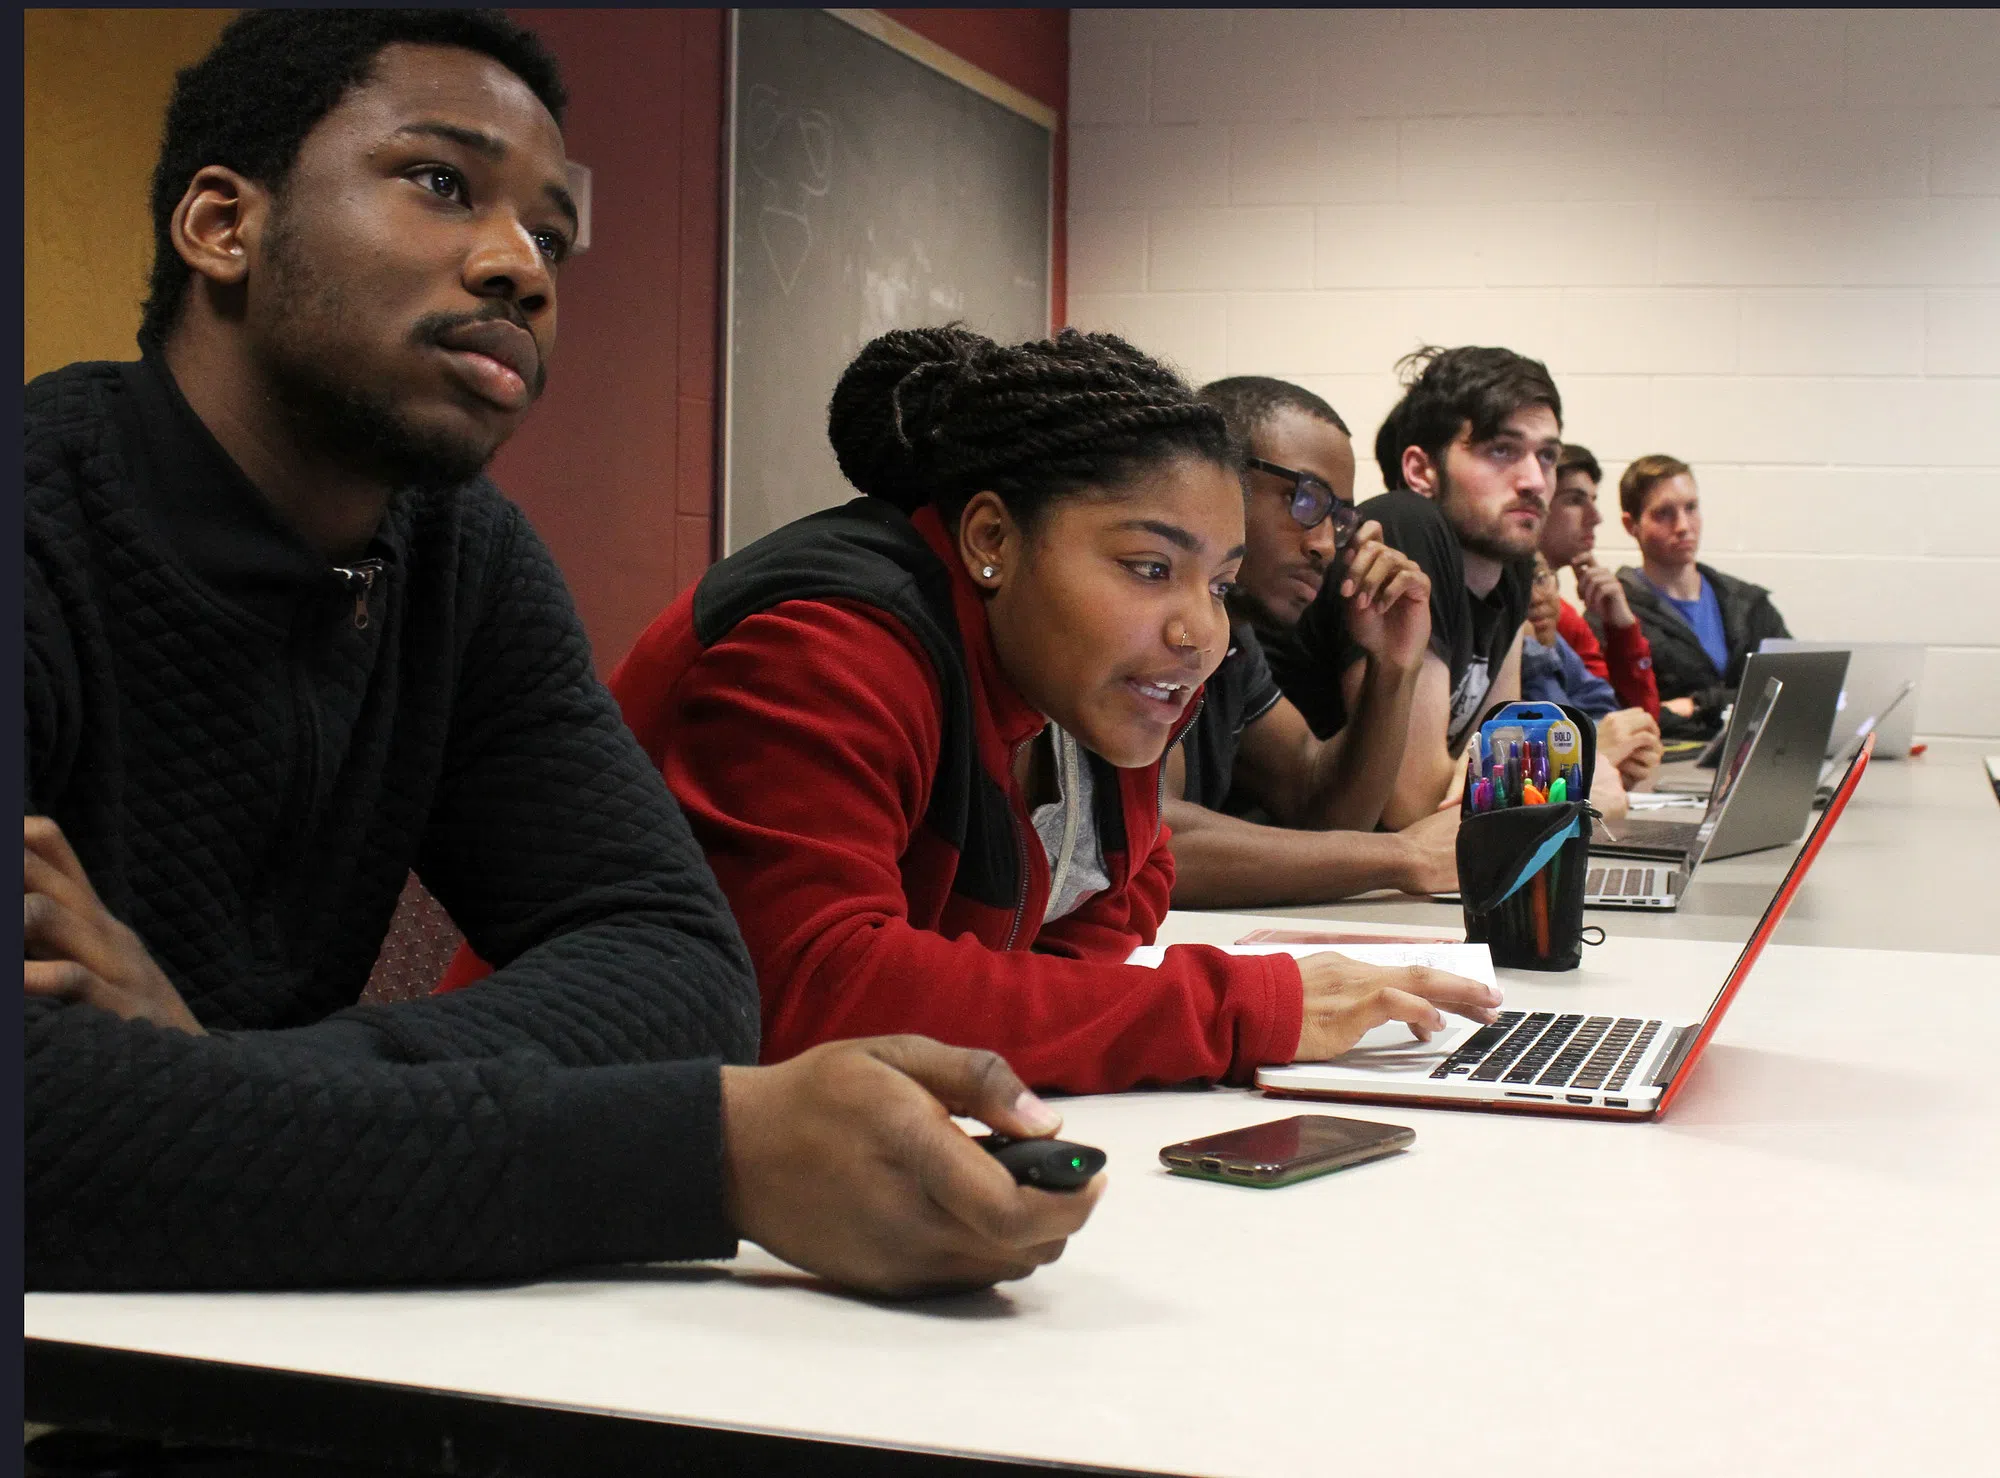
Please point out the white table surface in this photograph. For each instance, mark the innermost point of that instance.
(1795, 1273)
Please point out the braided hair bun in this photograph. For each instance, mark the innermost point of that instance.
(935, 415)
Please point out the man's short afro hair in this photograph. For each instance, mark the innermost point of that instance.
(1248, 401)
(272, 75)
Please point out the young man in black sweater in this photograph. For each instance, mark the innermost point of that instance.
(285, 644)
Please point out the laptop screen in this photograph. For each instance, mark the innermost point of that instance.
(1868, 726)
(1874, 671)
(1732, 770)
(1773, 913)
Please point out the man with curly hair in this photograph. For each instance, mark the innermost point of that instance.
(1469, 457)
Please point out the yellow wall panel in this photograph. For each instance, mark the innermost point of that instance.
(95, 95)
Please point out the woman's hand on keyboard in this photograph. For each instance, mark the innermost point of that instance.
(1345, 999)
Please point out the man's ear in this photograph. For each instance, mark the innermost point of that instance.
(220, 224)
(1419, 472)
(1631, 524)
(989, 541)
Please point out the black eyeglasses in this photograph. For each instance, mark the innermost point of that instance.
(1313, 501)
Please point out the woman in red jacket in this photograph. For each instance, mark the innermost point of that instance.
(920, 736)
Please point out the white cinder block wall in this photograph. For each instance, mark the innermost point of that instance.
(1765, 242)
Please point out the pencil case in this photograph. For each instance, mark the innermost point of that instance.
(1520, 878)
(1521, 870)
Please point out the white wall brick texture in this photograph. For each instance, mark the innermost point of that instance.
(1765, 241)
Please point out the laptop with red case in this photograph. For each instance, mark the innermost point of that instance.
(1598, 1065)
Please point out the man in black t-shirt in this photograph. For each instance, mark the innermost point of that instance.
(1469, 458)
(1249, 757)
(1241, 693)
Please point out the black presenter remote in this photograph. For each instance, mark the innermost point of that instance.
(1051, 1164)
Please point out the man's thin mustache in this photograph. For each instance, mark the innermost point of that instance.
(432, 330)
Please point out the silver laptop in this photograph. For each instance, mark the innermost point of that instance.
(1875, 672)
(1612, 1066)
(1836, 766)
(1778, 787)
(1654, 877)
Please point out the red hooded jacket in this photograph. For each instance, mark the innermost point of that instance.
(1625, 660)
(828, 709)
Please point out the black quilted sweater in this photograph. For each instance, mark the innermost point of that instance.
(249, 751)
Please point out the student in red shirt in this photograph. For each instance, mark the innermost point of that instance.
(920, 736)
(1569, 537)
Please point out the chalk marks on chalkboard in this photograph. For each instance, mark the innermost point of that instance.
(791, 156)
(903, 293)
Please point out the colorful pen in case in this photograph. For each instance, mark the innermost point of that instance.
(1538, 891)
(1558, 795)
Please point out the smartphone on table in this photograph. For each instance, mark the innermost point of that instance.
(1285, 1151)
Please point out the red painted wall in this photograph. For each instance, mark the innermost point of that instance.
(616, 466)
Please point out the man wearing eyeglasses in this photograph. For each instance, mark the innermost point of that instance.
(1552, 671)
(1250, 756)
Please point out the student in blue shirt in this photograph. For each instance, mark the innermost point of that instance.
(1702, 624)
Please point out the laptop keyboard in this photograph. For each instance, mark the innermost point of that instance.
(1553, 1051)
(1619, 882)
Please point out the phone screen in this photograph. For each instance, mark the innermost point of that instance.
(1288, 1141)
(1285, 1150)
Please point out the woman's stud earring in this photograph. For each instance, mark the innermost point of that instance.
(987, 572)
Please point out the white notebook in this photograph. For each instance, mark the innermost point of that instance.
(1473, 961)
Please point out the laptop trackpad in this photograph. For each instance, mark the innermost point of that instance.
(1391, 1048)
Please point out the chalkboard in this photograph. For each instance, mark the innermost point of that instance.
(868, 191)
